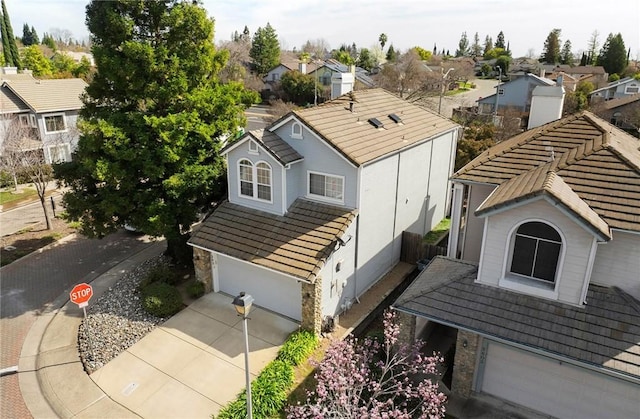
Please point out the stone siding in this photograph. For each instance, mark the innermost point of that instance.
(312, 306)
(202, 267)
(407, 324)
(464, 365)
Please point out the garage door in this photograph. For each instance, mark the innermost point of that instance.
(270, 290)
(556, 388)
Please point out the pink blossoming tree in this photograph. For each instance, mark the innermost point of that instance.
(375, 378)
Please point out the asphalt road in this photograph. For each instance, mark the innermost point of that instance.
(27, 215)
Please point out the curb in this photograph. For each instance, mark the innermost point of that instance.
(52, 379)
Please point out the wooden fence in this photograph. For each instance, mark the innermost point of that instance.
(413, 249)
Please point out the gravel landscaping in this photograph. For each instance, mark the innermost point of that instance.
(117, 320)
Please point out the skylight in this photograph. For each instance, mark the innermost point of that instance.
(395, 118)
(376, 123)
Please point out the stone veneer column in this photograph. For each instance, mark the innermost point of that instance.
(202, 267)
(312, 306)
(407, 324)
(465, 363)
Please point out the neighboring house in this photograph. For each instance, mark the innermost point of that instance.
(623, 112)
(318, 202)
(542, 282)
(514, 94)
(273, 76)
(330, 68)
(617, 89)
(593, 74)
(45, 112)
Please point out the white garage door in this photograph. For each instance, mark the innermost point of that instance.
(555, 388)
(269, 289)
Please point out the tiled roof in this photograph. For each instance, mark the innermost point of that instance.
(274, 145)
(358, 140)
(603, 333)
(599, 163)
(614, 103)
(297, 243)
(9, 102)
(49, 95)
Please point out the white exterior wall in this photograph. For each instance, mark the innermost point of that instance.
(618, 263)
(271, 290)
(472, 245)
(574, 257)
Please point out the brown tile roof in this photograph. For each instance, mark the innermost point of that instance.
(274, 145)
(604, 333)
(9, 102)
(297, 243)
(598, 162)
(49, 95)
(358, 140)
(614, 103)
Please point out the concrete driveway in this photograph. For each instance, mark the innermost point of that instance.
(193, 364)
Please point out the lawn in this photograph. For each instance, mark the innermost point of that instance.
(14, 197)
(440, 230)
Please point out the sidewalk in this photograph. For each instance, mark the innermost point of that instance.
(190, 366)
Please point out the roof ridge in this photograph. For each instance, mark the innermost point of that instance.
(633, 302)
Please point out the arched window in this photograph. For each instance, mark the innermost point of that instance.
(255, 181)
(246, 177)
(296, 130)
(536, 251)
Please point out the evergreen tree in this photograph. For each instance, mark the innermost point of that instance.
(566, 56)
(265, 49)
(435, 49)
(593, 45)
(476, 48)
(153, 122)
(48, 41)
(366, 60)
(583, 59)
(463, 46)
(26, 35)
(34, 36)
(613, 55)
(488, 44)
(391, 54)
(551, 51)
(383, 40)
(10, 43)
(500, 41)
(6, 49)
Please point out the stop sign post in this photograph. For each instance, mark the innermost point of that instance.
(81, 294)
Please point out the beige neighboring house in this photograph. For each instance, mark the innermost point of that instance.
(623, 112)
(542, 284)
(42, 112)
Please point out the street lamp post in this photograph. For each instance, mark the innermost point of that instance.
(444, 77)
(242, 304)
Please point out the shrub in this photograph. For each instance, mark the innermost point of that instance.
(298, 347)
(195, 288)
(161, 274)
(161, 299)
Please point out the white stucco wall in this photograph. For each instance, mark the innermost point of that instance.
(618, 263)
(574, 256)
(473, 225)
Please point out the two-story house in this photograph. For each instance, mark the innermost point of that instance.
(627, 86)
(515, 94)
(318, 202)
(45, 111)
(542, 279)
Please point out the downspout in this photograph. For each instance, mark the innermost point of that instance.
(357, 243)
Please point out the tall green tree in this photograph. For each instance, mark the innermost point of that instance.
(476, 48)
(488, 44)
(613, 55)
(26, 35)
(34, 36)
(551, 51)
(48, 41)
(299, 88)
(500, 43)
(11, 55)
(265, 49)
(392, 55)
(463, 46)
(383, 40)
(366, 60)
(154, 119)
(566, 56)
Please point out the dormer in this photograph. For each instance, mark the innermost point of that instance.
(256, 171)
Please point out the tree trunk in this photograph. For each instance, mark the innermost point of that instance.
(178, 249)
(44, 208)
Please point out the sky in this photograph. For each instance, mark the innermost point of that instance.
(407, 23)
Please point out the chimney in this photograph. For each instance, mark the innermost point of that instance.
(302, 67)
(546, 105)
(542, 72)
(341, 83)
(560, 79)
(352, 69)
(9, 70)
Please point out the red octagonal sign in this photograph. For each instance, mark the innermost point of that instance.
(81, 294)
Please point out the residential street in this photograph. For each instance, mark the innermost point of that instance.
(31, 285)
(27, 215)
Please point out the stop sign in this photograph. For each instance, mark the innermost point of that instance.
(81, 294)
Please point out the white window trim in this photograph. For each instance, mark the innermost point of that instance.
(32, 121)
(64, 119)
(523, 283)
(253, 147)
(294, 134)
(322, 197)
(67, 152)
(23, 119)
(636, 89)
(254, 181)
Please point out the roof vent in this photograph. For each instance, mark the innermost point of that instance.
(395, 118)
(376, 123)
